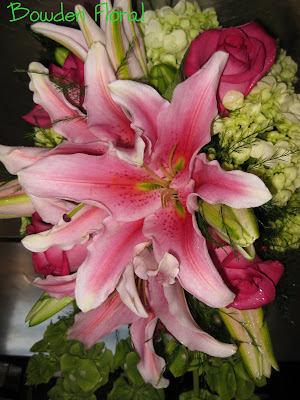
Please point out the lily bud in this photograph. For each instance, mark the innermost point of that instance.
(45, 308)
(237, 227)
(161, 76)
(60, 55)
(14, 203)
(251, 330)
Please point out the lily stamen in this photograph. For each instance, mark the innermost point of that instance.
(162, 182)
(165, 172)
(170, 161)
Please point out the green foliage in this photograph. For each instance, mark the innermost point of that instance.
(41, 368)
(123, 390)
(178, 78)
(130, 385)
(82, 371)
(229, 379)
(178, 358)
(203, 395)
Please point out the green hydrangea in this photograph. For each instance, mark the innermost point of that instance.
(262, 132)
(47, 137)
(25, 221)
(287, 229)
(169, 31)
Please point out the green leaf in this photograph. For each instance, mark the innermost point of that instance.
(178, 358)
(161, 76)
(87, 375)
(68, 363)
(121, 390)
(178, 78)
(122, 349)
(103, 359)
(131, 370)
(203, 395)
(40, 346)
(244, 389)
(77, 349)
(222, 380)
(41, 369)
(168, 94)
(61, 391)
(245, 385)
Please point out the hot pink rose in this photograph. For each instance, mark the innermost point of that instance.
(253, 282)
(251, 54)
(71, 72)
(55, 261)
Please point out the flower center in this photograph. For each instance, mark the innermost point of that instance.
(158, 182)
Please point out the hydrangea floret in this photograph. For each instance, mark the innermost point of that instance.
(262, 132)
(168, 31)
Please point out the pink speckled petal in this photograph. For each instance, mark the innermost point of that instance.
(150, 365)
(104, 181)
(171, 308)
(186, 122)
(108, 255)
(87, 221)
(66, 119)
(236, 189)
(91, 326)
(56, 286)
(179, 235)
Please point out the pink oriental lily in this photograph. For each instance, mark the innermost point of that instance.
(103, 51)
(141, 303)
(155, 201)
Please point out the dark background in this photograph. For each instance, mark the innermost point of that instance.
(17, 49)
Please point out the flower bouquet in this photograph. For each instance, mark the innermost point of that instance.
(161, 193)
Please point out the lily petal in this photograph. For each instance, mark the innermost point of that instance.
(151, 365)
(106, 118)
(56, 286)
(17, 158)
(68, 234)
(51, 210)
(90, 30)
(101, 181)
(172, 310)
(68, 120)
(103, 6)
(143, 104)
(179, 235)
(119, 49)
(132, 33)
(108, 255)
(236, 189)
(167, 270)
(188, 122)
(70, 38)
(128, 292)
(92, 326)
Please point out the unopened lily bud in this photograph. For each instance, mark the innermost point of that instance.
(45, 308)
(161, 76)
(60, 54)
(235, 226)
(250, 329)
(14, 203)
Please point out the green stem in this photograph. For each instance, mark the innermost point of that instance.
(196, 383)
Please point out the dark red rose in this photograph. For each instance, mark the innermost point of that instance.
(251, 54)
(253, 282)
